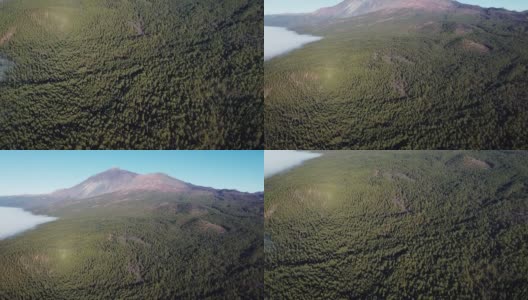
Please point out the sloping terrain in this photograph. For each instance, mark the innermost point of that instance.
(399, 225)
(121, 180)
(141, 243)
(404, 78)
(131, 74)
(351, 8)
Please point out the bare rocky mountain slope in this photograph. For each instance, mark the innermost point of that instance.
(115, 184)
(350, 8)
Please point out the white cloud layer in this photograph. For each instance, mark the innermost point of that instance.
(16, 220)
(278, 41)
(276, 161)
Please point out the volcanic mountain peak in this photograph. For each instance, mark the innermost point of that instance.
(159, 182)
(350, 8)
(105, 182)
(113, 174)
(115, 179)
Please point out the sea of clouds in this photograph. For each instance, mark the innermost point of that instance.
(276, 161)
(16, 220)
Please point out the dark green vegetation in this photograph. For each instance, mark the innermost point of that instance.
(131, 74)
(404, 80)
(140, 245)
(399, 225)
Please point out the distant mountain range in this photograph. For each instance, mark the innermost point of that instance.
(118, 182)
(354, 8)
(350, 8)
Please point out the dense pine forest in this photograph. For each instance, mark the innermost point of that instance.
(141, 245)
(399, 225)
(148, 74)
(401, 80)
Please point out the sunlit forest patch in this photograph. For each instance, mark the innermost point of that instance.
(145, 245)
(402, 224)
(401, 80)
(131, 74)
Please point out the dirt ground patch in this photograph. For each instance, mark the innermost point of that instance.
(473, 46)
(399, 86)
(400, 202)
(7, 36)
(41, 258)
(462, 29)
(267, 92)
(38, 263)
(210, 227)
(471, 162)
(392, 175)
(269, 212)
(135, 269)
(403, 176)
(138, 27)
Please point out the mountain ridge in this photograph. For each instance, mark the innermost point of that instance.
(355, 8)
(374, 10)
(124, 180)
(117, 181)
(350, 8)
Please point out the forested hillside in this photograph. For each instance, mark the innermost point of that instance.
(140, 245)
(402, 79)
(131, 74)
(399, 225)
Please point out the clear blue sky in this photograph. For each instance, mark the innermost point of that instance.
(297, 6)
(35, 172)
